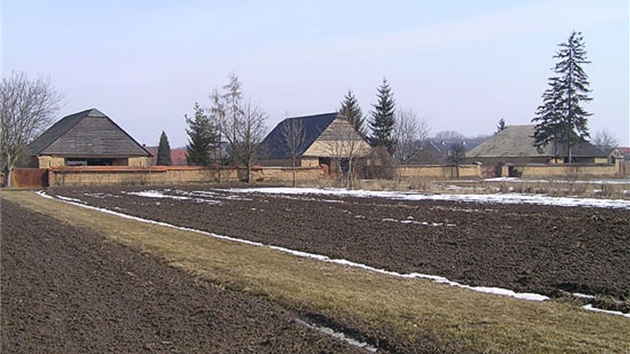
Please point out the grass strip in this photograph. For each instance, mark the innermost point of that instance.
(409, 310)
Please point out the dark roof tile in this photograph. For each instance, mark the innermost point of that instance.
(274, 146)
(89, 133)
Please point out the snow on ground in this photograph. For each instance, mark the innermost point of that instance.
(512, 198)
(618, 313)
(518, 180)
(434, 278)
(410, 220)
(161, 195)
(155, 194)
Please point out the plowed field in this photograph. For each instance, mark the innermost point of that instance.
(68, 290)
(527, 248)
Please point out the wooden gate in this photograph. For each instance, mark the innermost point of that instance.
(29, 178)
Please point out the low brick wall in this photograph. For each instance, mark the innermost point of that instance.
(438, 171)
(542, 171)
(113, 175)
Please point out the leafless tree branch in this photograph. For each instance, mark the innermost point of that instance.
(28, 107)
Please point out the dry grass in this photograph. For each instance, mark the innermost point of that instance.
(409, 309)
(554, 188)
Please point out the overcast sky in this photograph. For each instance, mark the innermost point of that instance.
(462, 65)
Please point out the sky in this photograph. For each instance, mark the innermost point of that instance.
(459, 65)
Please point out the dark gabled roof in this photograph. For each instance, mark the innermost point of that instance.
(86, 134)
(274, 146)
(582, 149)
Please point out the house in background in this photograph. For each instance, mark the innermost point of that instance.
(434, 152)
(87, 138)
(621, 156)
(178, 156)
(325, 139)
(515, 144)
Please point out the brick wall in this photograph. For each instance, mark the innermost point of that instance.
(542, 171)
(438, 171)
(114, 175)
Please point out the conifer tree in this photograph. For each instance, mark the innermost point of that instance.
(202, 138)
(501, 126)
(549, 122)
(351, 110)
(382, 119)
(164, 151)
(561, 118)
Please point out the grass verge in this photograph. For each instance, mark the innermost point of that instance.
(407, 313)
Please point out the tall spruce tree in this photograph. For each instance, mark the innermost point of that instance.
(202, 138)
(561, 118)
(549, 120)
(164, 151)
(382, 119)
(351, 110)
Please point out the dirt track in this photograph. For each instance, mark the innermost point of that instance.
(68, 290)
(527, 248)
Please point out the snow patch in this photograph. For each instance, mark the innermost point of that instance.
(590, 307)
(339, 335)
(71, 199)
(156, 194)
(423, 223)
(512, 198)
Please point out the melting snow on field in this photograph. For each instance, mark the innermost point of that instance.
(156, 194)
(434, 278)
(512, 198)
(410, 220)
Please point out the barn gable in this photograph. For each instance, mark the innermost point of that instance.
(323, 133)
(338, 140)
(86, 134)
(275, 145)
(327, 138)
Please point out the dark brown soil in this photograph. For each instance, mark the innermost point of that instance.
(66, 290)
(526, 248)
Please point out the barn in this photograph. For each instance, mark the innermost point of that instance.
(317, 140)
(515, 144)
(87, 138)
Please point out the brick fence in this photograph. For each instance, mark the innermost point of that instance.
(113, 175)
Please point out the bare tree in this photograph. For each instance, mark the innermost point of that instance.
(244, 134)
(410, 135)
(294, 136)
(456, 156)
(217, 114)
(346, 146)
(242, 125)
(605, 139)
(448, 136)
(28, 107)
